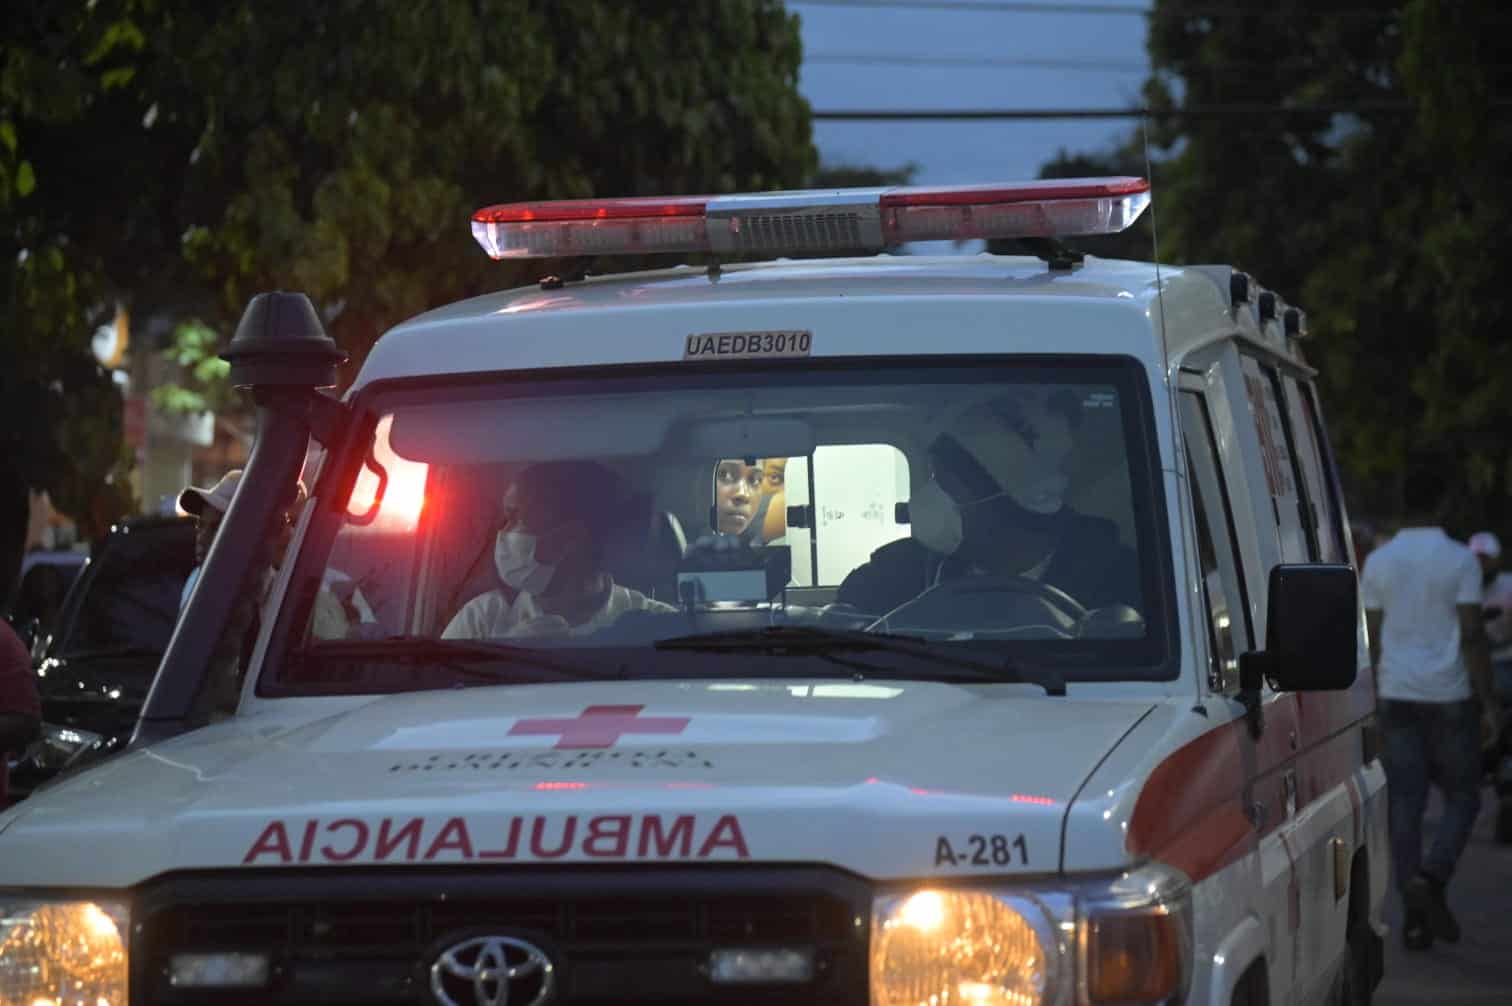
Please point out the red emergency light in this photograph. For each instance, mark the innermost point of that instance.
(810, 221)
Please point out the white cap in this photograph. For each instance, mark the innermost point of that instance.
(194, 500)
(1485, 543)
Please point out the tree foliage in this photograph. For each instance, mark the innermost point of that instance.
(184, 156)
(1353, 159)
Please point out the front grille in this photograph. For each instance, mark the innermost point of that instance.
(615, 936)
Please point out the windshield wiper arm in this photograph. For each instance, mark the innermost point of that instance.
(459, 654)
(817, 641)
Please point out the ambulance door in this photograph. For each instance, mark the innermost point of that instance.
(1266, 882)
(1330, 752)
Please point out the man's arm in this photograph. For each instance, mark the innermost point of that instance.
(1477, 653)
(17, 730)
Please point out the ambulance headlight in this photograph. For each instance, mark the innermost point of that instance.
(1115, 939)
(969, 946)
(58, 952)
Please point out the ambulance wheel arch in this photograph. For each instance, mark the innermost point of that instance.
(1239, 965)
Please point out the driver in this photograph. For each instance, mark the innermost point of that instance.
(549, 553)
(995, 505)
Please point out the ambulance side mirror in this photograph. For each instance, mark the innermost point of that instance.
(1312, 615)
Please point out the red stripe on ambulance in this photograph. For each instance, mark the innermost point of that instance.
(526, 839)
(1212, 800)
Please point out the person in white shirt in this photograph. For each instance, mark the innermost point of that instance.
(549, 554)
(1422, 596)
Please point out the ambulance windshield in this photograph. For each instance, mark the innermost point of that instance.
(1005, 510)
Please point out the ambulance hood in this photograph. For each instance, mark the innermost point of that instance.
(887, 779)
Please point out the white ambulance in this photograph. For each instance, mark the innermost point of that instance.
(897, 630)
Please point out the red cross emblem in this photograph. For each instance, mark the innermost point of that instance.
(600, 726)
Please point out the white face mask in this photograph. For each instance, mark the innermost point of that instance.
(514, 558)
(1045, 494)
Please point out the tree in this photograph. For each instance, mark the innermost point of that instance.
(60, 412)
(184, 156)
(1351, 159)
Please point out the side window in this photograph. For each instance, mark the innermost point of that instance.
(1292, 528)
(364, 591)
(1313, 461)
(854, 489)
(1229, 629)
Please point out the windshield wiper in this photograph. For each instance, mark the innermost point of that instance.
(462, 655)
(808, 640)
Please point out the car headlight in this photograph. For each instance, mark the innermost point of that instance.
(59, 747)
(945, 946)
(1125, 939)
(57, 952)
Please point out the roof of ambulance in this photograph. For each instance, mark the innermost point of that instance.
(1131, 285)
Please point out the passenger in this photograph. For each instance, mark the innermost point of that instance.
(737, 488)
(549, 554)
(995, 505)
(769, 525)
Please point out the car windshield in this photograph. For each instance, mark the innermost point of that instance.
(660, 525)
(129, 595)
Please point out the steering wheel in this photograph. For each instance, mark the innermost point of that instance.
(950, 601)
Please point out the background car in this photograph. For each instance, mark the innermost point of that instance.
(46, 575)
(98, 657)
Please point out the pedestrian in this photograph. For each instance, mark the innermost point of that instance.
(1422, 596)
(20, 706)
(233, 652)
(1498, 609)
(1498, 621)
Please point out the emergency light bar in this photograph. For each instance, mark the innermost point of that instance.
(828, 220)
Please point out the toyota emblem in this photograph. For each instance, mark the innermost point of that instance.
(492, 971)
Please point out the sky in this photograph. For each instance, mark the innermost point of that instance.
(888, 54)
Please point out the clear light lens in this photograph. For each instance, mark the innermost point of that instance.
(558, 239)
(218, 970)
(1048, 218)
(63, 952)
(760, 966)
(968, 947)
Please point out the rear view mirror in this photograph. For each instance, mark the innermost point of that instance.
(752, 437)
(1312, 616)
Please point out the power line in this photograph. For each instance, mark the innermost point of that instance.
(1210, 110)
(998, 6)
(959, 114)
(1039, 62)
(1115, 10)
